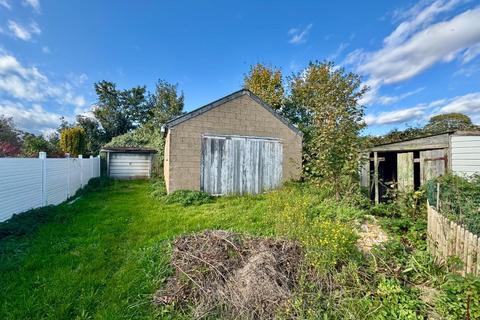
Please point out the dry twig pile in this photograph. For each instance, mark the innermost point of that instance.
(230, 275)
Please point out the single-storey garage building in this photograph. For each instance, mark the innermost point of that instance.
(237, 144)
(128, 162)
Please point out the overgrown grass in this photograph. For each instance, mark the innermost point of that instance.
(104, 255)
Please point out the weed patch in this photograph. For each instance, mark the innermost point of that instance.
(188, 198)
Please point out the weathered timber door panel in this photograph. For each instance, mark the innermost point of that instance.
(240, 164)
(432, 164)
(405, 172)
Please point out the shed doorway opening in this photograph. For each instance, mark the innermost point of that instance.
(404, 171)
(238, 165)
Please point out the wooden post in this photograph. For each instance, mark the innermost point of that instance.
(375, 177)
(438, 196)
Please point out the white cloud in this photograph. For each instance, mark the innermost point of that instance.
(386, 100)
(418, 16)
(468, 104)
(23, 32)
(396, 116)
(33, 118)
(6, 4)
(439, 42)
(29, 84)
(35, 4)
(298, 35)
(471, 53)
(46, 50)
(339, 51)
(417, 44)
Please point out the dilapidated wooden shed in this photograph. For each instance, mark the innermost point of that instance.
(237, 144)
(410, 163)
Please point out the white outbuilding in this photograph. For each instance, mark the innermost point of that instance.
(129, 163)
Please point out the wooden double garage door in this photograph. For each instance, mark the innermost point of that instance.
(237, 165)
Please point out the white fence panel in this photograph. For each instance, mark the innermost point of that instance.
(31, 183)
(75, 173)
(20, 186)
(57, 189)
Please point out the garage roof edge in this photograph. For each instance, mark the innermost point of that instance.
(232, 96)
(128, 150)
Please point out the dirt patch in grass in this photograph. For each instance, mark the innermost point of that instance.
(225, 274)
(371, 234)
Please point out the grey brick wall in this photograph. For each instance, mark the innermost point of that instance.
(241, 116)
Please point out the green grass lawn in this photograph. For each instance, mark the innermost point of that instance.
(103, 256)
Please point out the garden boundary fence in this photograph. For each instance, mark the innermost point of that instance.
(28, 183)
(447, 238)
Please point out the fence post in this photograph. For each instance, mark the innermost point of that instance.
(42, 155)
(438, 196)
(67, 157)
(99, 166)
(80, 157)
(92, 173)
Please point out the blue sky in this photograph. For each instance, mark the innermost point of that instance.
(419, 58)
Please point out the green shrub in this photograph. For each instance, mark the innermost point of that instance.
(389, 209)
(144, 136)
(459, 199)
(95, 184)
(158, 188)
(188, 198)
(460, 298)
(72, 141)
(398, 302)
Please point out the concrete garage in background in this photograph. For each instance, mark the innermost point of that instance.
(129, 163)
(237, 144)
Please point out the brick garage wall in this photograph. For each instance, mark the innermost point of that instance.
(241, 116)
(166, 160)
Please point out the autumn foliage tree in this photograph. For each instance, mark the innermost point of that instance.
(9, 138)
(328, 99)
(266, 82)
(72, 141)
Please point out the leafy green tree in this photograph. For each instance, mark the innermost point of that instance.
(266, 82)
(94, 136)
(119, 111)
(33, 144)
(165, 103)
(72, 141)
(448, 122)
(329, 96)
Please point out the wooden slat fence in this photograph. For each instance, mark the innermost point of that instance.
(447, 239)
